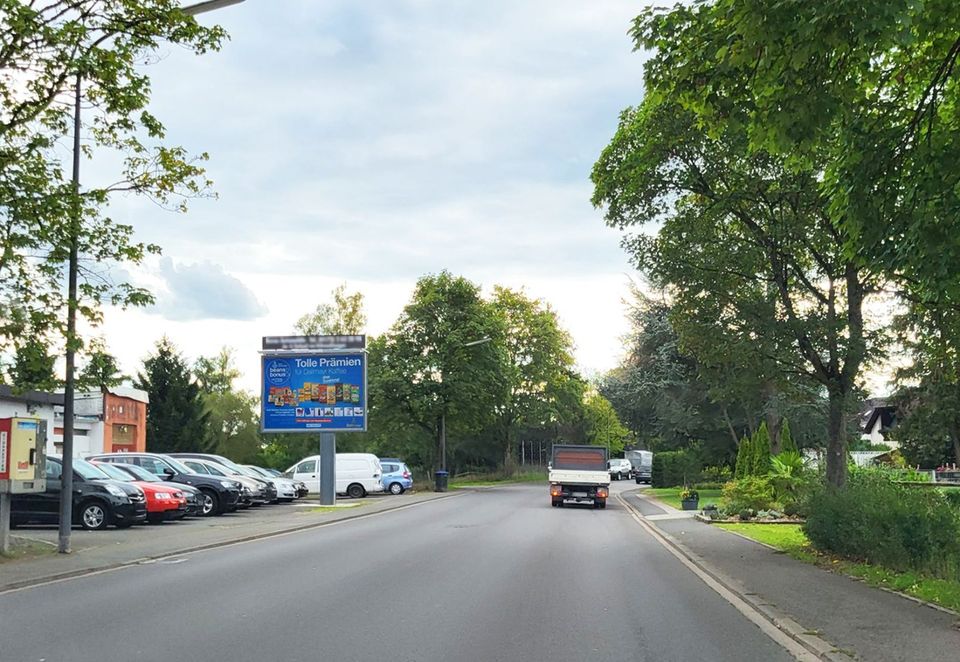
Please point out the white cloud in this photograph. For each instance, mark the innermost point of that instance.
(204, 291)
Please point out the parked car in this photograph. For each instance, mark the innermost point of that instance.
(251, 494)
(286, 487)
(267, 486)
(163, 503)
(396, 478)
(356, 474)
(302, 490)
(218, 495)
(619, 468)
(190, 493)
(98, 501)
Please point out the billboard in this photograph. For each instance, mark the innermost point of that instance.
(314, 392)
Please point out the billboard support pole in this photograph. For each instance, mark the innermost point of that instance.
(328, 472)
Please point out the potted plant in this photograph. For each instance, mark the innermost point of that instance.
(689, 499)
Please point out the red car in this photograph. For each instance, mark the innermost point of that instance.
(163, 502)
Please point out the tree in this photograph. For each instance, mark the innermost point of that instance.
(744, 459)
(864, 92)
(215, 374)
(32, 367)
(48, 47)
(537, 364)
(602, 425)
(176, 420)
(344, 316)
(760, 464)
(787, 444)
(423, 374)
(746, 248)
(101, 370)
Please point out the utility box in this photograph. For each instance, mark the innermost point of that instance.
(22, 456)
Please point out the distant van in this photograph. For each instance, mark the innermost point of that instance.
(357, 474)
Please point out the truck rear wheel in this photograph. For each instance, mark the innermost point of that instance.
(601, 504)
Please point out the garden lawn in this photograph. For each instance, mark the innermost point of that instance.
(791, 539)
(495, 479)
(671, 495)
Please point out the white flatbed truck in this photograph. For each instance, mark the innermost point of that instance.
(578, 474)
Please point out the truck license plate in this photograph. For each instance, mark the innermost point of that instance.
(579, 495)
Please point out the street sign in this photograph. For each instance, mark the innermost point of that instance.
(314, 391)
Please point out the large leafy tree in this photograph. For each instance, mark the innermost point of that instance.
(344, 316)
(32, 367)
(602, 426)
(101, 369)
(423, 372)
(745, 247)
(46, 47)
(864, 92)
(176, 417)
(230, 416)
(538, 361)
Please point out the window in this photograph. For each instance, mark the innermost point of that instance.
(151, 465)
(53, 471)
(308, 467)
(196, 467)
(390, 468)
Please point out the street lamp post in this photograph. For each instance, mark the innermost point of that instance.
(69, 382)
(443, 418)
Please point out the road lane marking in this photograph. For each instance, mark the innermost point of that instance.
(782, 630)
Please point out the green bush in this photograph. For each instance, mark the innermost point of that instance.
(873, 518)
(672, 468)
(718, 475)
(749, 493)
(705, 485)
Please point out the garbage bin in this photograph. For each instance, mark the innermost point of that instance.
(441, 481)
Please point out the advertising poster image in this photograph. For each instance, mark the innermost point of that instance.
(314, 392)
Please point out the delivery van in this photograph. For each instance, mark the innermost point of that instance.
(357, 474)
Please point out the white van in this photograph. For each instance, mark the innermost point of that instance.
(357, 473)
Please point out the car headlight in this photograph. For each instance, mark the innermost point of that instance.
(162, 495)
(228, 483)
(115, 491)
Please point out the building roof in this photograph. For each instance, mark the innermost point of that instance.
(30, 397)
(130, 392)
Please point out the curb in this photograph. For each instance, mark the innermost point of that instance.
(80, 572)
(812, 644)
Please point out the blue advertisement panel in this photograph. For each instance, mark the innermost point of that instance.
(314, 392)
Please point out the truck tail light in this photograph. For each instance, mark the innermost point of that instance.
(602, 492)
(555, 490)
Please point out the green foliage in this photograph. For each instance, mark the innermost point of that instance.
(751, 492)
(47, 45)
(689, 494)
(760, 456)
(744, 459)
(603, 427)
(672, 468)
(715, 474)
(215, 375)
(792, 481)
(32, 367)
(101, 370)
(899, 527)
(787, 444)
(345, 316)
(176, 420)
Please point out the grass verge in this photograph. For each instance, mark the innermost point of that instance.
(22, 548)
(671, 495)
(791, 539)
(338, 507)
(498, 479)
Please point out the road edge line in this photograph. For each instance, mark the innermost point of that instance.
(784, 630)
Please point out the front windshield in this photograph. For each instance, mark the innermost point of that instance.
(87, 471)
(216, 469)
(140, 473)
(115, 473)
(260, 473)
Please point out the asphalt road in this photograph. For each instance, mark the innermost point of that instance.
(488, 576)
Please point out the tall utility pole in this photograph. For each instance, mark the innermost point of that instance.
(69, 382)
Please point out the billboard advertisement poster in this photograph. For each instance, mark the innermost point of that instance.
(314, 392)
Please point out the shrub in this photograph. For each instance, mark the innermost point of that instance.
(745, 514)
(752, 492)
(792, 481)
(687, 494)
(717, 474)
(875, 519)
(744, 459)
(709, 486)
(787, 444)
(671, 468)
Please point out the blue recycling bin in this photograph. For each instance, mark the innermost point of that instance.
(441, 481)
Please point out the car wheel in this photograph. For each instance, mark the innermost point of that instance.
(396, 488)
(356, 491)
(209, 503)
(638, 481)
(94, 515)
(603, 504)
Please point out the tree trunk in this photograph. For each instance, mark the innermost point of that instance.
(955, 438)
(836, 438)
(733, 432)
(772, 416)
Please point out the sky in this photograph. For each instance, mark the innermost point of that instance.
(371, 143)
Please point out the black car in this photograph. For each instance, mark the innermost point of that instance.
(192, 494)
(98, 501)
(217, 495)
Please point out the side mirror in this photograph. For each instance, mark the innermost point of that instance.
(168, 472)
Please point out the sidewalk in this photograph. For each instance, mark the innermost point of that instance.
(111, 548)
(861, 621)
